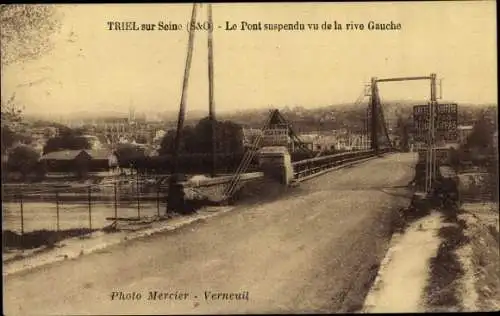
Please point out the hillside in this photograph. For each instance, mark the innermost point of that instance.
(303, 120)
(348, 116)
(328, 117)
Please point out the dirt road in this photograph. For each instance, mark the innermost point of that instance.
(315, 250)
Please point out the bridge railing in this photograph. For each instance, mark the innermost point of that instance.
(306, 168)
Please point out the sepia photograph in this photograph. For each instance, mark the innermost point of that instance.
(249, 158)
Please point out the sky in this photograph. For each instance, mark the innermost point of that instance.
(94, 69)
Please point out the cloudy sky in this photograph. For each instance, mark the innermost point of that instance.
(92, 68)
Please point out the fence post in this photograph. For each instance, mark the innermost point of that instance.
(158, 200)
(90, 206)
(116, 201)
(22, 213)
(138, 195)
(57, 210)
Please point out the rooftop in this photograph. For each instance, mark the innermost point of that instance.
(72, 154)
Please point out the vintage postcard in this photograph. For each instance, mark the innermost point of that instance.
(249, 158)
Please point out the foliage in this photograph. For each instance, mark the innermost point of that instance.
(68, 139)
(11, 114)
(23, 159)
(141, 139)
(198, 139)
(403, 127)
(195, 163)
(11, 118)
(26, 31)
(479, 149)
(129, 154)
(24, 35)
(481, 135)
(8, 138)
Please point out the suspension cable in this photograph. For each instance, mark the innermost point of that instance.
(382, 118)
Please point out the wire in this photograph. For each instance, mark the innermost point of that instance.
(382, 118)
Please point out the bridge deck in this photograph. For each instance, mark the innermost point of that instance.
(311, 251)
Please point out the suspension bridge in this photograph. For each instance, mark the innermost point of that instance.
(278, 138)
(311, 243)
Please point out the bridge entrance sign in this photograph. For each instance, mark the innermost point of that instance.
(446, 121)
(442, 128)
(421, 122)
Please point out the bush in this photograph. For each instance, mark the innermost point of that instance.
(23, 159)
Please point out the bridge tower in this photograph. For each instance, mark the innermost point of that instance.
(374, 116)
(279, 132)
(377, 116)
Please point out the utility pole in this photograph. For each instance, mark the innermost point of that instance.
(172, 195)
(211, 111)
(374, 115)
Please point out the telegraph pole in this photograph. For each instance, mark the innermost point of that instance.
(211, 111)
(172, 195)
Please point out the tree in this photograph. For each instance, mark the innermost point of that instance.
(26, 31)
(68, 139)
(203, 139)
(129, 154)
(229, 138)
(23, 159)
(481, 135)
(187, 143)
(24, 35)
(141, 139)
(8, 138)
(11, 116)
(403, 127)
(167, 143)
(79, 131)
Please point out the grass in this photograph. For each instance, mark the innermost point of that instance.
(39, 238)
(418, 208)
(485, 259)
(445, 268)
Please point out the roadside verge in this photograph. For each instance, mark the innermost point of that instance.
(75, 247)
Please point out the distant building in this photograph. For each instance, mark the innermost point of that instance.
(154, 152)
(79, 161)
(308, 140)
(95, 143)
(325, 143)
(38, 145)
(159, 134)
(251, 135)
(131, 114)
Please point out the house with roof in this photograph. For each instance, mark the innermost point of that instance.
(79, 161)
